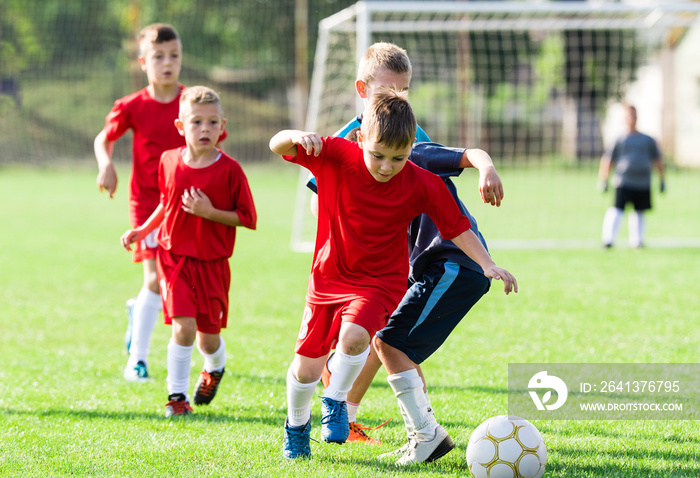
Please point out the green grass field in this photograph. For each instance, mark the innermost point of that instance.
(66, 411)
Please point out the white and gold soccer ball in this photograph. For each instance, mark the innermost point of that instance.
(506, 446)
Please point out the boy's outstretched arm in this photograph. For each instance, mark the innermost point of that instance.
(106, 174)
(471, 246)
(286, 141)
(490, 185)
(139, 233)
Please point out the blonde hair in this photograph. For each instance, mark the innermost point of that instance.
(154, 34)
(199, 95)
(389, 119)
(383, 55)
(352, 134)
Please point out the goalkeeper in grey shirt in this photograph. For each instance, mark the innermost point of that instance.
(633, 156)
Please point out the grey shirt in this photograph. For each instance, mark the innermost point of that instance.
(633, 156)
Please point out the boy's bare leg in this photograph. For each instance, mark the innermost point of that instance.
(394, 360)
(307, 370)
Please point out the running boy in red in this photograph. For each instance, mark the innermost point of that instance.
(150, 114)
(368, 195)
(204, 196)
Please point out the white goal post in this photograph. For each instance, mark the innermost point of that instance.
(530, 82)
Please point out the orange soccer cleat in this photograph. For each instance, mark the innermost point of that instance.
(357, 433)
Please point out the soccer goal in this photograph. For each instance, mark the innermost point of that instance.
(535, 84)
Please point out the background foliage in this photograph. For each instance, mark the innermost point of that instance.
(63, 63)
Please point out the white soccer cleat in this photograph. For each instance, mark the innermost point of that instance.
(427, 451)
(399, 451)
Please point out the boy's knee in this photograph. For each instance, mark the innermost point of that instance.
(150, 276)
(302, 373)
(378, 344)
(208, 344)
(353, 340)
(152, 283)
(184, 330)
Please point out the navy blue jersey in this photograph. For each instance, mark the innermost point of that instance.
(425, 243)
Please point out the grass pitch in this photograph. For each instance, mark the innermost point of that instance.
(66, 411)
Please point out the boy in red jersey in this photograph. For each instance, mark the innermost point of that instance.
(368, 195)
(204, 196)
(150, 113)
(386, 65)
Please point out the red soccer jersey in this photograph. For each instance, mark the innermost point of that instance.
(226, 185)
(361, 240)
(153, 125)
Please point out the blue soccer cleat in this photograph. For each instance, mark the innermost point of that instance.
(334, 424)
(297, 441)
(137, 372)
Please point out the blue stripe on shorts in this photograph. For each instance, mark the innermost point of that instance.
(448, 278)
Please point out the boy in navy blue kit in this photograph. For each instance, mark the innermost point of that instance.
(444, 284)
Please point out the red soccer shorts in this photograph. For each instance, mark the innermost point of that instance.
(320, 326)
(146, 249)
(193, 288)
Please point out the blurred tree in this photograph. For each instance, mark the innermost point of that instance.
(20, 45)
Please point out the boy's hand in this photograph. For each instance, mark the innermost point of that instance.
(131, 236)
(194, 201)
(602, 186)
(662, 186)
(107, 180)
(490, 186)
(509, 282)
(311, 142)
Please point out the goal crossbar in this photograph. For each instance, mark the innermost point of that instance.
(579, 15)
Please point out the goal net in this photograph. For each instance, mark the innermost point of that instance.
(538, 85)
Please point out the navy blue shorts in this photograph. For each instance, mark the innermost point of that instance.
(639, 198)
(432, 308)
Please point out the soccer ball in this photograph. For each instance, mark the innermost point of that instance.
(506, 446)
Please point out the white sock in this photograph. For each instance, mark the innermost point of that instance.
(179, 360)
(344, 370)
(408, 388)
(636, 225)
(146, 310)
(352, 411)
(611, 224)
(299, 400)
(217, 361)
